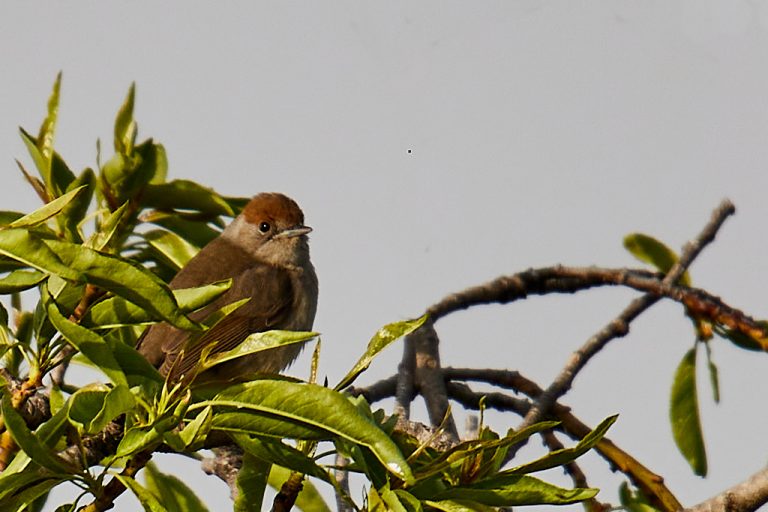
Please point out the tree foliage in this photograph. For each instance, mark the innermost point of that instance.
(94, 261)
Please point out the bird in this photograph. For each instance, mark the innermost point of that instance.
(265, 251)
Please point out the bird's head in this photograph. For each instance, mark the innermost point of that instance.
(271, 228)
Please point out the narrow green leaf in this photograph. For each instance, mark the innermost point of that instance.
(20, 280)
(118, 312)
(515, 490)
(125, 126)
(108, 228)
(137, 439)
(148, 500)
(38, 158)
(92, 407)
(173, 493)
(409, 501)
(56, 175)
(26, 496)
(134, 283)
(247, 422)
(74, 213)
(196, 232)
(459, 506)
(28, 442)
(684, 415)
(90, 344)
(382, 338)
(274, 451)
(134, 365)
(384, 500)
(25, 247)
(46, 212)
(45, 136)
(317, 407)
(171, 247)
(564, 456)
(714, 379)
(649, 250)
(185, 195)
(251, 484)
(257, 342)
(197, 430)
(49, 434)
(634, 502)
(473, 447)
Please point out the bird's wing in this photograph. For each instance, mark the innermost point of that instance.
(271, 294)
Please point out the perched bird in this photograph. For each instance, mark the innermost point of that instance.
(265, 252)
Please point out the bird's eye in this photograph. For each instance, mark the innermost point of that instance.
(264, 227)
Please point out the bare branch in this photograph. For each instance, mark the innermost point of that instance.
(428, 378)
(619, 327)
(746, 496)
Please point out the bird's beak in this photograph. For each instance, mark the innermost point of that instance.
(290, 233)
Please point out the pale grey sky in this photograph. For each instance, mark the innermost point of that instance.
(540, 133)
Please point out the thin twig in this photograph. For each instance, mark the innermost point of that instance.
(619, 327)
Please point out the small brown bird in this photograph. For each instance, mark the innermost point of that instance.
(266, 253)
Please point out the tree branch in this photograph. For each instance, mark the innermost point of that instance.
(619, 327)
(746, 496)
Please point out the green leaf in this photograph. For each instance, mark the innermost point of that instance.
(47, 131)
(185, 195)
(473, 447)
(92, 407)
(257, 342)
(28, 442)
(514, 490)
(25, 247)
(196, 431)
(194, 231)
(148, 500)
(409, 501)
(308, 500)
(134, 283)
(117, 312)
(74, 213)
(684, 415)
(251, 484)
(20, 280)
(125, 126)
(314, 406)
(90, 344)
(379, 342)
(137, 439)
(274, 451)
(714, 379)
(175, 495)
(459, 506)
(171, 247)
(25, 496)
(649, 250)
(55, 173)
(634, 502)
(104, 236)
(384, 500)
(46, 212)
(564, 456)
